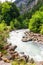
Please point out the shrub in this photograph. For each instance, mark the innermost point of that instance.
(12, 25)
(36, 21)
(41, 31)
(16, 62)
(3, 26)
(17, 24)
(25, 23)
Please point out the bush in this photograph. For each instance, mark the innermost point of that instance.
(25, 23)
(3, 39)
(12, 25)
(41, 8)
(17, 24)
(41, 31)
(36, 21)
(3, 26)
(16, 62)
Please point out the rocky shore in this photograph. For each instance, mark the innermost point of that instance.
(30, 36)
(11, 55)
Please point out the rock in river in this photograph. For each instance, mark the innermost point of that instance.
(12, 48)
(26, 39)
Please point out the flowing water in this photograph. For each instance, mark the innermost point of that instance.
(31, 48)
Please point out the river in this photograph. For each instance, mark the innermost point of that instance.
(30, 48)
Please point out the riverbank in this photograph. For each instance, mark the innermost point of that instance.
(30, 36)
(13, 56)
(34, 50)
(16, 53)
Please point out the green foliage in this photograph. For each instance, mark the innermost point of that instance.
(36, 21)
(17, 24)
(3, 39)
(0, 7)
(10, 17)
(12, 25)
(9, 11)
(5, 8)
(1, 17)
(14, 11)
(35, 8)
(6, 11)
(41, 29)
(3, 26)
(21, 18)
(16, 62)
(41, 8)
(25, 23)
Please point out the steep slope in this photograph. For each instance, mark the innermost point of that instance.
(25, 5)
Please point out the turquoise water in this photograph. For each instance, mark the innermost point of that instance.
(29, 48)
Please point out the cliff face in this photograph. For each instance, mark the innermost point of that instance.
(25, 5)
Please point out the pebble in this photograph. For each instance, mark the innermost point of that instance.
(4, 63)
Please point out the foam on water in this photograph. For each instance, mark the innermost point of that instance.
(30, 48)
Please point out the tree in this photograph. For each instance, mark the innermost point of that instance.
(36, 21)
(3, 26)
(5, 12)
(14, 12)
(17, 24)
(9, 11)
(41, 8)
(0, 7)
(25, 23)
(41, 29)
(12, 24)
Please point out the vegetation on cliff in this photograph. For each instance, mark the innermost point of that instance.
(10, 19)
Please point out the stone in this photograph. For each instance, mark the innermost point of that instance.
(6, 46)
(1, 54)
(0, 58)
(10, 52)
(26, 39)
(15, 52)
(4, 63)
(21, 52)
(30, 36)
(15, 55)
(12, 48)
(26, 57)
(31, 60)
(23, 37)
(5, 60)
(9, 56)
(21, 59)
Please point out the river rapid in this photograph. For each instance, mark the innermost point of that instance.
(33, 49)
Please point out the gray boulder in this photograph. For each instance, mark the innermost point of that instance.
(12, 48)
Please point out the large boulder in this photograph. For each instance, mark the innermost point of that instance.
(31, 60)
(26, 39)
(4, 63)
(1, 55)
(15, 55)
(26, 57)
(12, 48)
(10, 52)
(9, 56)
(21, 53)
(5, 59)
